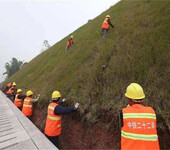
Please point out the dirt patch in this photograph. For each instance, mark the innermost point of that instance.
(78, 135)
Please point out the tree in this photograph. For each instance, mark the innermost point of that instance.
(13, 66)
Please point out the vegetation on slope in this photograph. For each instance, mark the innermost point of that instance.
(96, 73)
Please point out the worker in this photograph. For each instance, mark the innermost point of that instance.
(69, 43)
(8, 86)
(19, 99)
(28, 104)
(138, 122)
(105, 26)
(11, 92)
(54, 116)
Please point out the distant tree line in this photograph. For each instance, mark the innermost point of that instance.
(13, 66)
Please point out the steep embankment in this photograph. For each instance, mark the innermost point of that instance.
(96, 73)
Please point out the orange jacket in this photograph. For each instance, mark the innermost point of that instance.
(105, 24)
(139, 128)
(27, 107)
(9, 85)
(11, 90)
(17, 101)
(53, 122)
(70, 42)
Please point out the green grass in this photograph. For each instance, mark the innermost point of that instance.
(136, 50)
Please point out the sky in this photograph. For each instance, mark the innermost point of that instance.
(25, 24)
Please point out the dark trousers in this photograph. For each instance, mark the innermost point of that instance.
(67, 48)
(6, 89)
(54, 140)
(104, 32)
(11, 97)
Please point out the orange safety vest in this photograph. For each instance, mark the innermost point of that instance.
(69, 42)
(105, 24)
(10, 91)
(139, 128)
(9, 85)
(17, 101)
(27, 107)
(53, 122)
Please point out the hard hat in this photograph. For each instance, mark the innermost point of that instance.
(108, 16)
(19, 91)
(14, 84)
(29, 93)
(134, 91)
(56, 94)
(72, 36)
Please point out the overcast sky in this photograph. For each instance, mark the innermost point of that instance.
(25, 24)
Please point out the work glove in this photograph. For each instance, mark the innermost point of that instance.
(76, 105)
(63, 100)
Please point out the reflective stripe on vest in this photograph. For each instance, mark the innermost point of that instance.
(27, 105)
(139, 115)
(54, 118)
(18, 100)
(50, 107)
(144, 137)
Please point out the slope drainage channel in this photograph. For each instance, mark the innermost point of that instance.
(17, 131)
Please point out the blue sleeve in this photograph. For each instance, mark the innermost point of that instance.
(21, 96)
(59, 110)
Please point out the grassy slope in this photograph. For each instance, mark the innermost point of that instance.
(137, 50)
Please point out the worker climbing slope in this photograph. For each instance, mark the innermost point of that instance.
(53, 122)
(28, 104)
(105, 26)
(138, 122)
(69, 43)
(19, 99)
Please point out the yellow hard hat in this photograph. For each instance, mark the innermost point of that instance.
(56, 94)
(29, 93)
(134, 91)
(108, 16)
(19, 91)
(14, 84)
(72, 36)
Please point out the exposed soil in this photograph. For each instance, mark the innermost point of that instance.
(77, 134)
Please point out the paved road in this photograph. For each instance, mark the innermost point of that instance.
(17, 131)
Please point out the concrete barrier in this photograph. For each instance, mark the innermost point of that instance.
(17, 131)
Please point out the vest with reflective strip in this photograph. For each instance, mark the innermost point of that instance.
(139, 128)
(17, 101)
(27, 107)
(105, 24)
(53, 122)
(10, 91)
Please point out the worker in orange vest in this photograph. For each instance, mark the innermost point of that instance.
(11, 92)
(138, 122)
(28, 104)
(8, 86)
(19, 99)
(105, 26)
(69, 43)
(53, 122)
